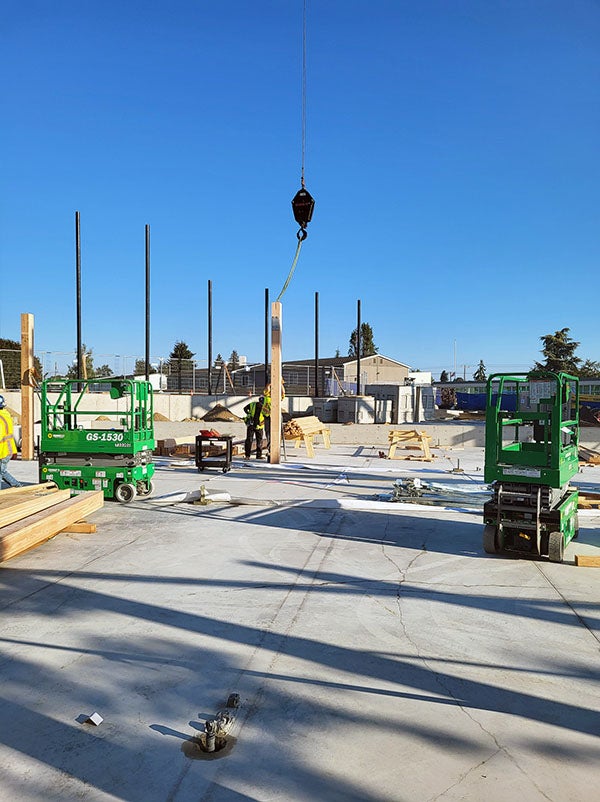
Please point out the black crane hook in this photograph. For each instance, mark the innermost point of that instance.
(302, 205)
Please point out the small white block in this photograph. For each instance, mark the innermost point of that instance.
(96, 719)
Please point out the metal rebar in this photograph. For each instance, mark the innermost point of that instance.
(78, 291)
(147, 357)
(209, 337)
(317, 344)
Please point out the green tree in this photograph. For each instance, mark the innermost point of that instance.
(10, 356)
(367, 346)
(180, 354)
(140, 368)
(559, 353)
(337, 353)
(104, 371)
(444, 376)
(590, 370)
(87, 365)
(480, 374)
(234, 360)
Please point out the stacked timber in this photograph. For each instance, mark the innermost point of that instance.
(33, 514)
(292, 430)
(587, 456)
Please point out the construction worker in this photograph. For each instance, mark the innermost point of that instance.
(8, 447)
(255, 424)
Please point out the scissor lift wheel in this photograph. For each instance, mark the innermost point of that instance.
(490, 543)
(556, 547)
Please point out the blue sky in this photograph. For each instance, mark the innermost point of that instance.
(452, 149)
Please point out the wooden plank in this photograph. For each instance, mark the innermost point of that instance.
(81, 527)
(10, 492)
(30, 504)
(27, 399)
(276, 382)
(587, 560)
(23, 535)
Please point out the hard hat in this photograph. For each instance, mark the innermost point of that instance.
(2, 402)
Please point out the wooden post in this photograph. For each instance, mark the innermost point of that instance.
(27, 398)
(276, 325)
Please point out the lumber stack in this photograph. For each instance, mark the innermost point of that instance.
(304, 430)
(587, 456)
(31, 515)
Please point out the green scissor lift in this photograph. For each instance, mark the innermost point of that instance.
(91, 449)
(531, 454)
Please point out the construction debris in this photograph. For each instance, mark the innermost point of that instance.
(417, 491)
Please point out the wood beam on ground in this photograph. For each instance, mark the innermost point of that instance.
(41, 526)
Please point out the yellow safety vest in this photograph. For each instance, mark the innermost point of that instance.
(8, 447)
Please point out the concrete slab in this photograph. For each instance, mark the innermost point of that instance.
(378, 653)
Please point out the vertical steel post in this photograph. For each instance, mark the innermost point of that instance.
(358, 347)
(147, 357)
(209, 336)
(267, 310)
(317, 344)
(78, 290)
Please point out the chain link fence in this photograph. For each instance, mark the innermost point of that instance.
(176, 375)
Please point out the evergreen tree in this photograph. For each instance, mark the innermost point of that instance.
(180, 354)
(140, 368)
(234, 360)
(590, 370)
(480, 374)
(559, 353)
(444, 376)
(367, 346)
(219, 361)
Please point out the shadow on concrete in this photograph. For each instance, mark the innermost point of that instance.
(173, 671)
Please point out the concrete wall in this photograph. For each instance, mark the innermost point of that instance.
(179, 407)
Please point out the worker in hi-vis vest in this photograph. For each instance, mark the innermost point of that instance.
(8, 447)
(255, 424)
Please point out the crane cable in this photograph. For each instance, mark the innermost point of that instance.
(302, 203)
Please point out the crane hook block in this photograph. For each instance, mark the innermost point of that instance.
(302, 205)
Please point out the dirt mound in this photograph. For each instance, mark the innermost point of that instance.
(102, 417)
(219, 412)
(160, 416)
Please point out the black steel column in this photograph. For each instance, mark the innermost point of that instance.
(78, 292)
(147, 359)
(358, 348)
(209, 337)
(267, 329)
(316, 344)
